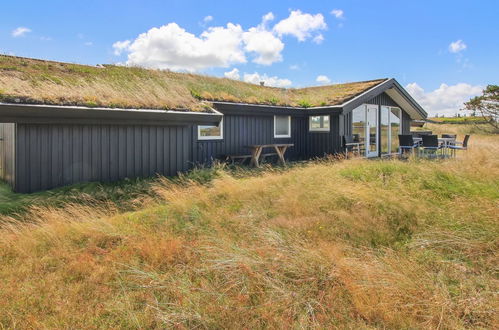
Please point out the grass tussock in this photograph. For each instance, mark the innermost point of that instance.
(36, 81)
(353, 244)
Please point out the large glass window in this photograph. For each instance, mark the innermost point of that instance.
(282, 126)
(319, 123)
(390, 129)
(211, 132)
(359, 124)
(385, 130)
(396, 129)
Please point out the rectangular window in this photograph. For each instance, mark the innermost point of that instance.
(282, 126)
(359, 124)
(211, 132)
(319, 123)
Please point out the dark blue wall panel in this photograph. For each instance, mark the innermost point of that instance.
(53, 155)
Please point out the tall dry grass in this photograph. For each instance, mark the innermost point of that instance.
(352, 244)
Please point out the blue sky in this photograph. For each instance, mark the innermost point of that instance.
(442, 51)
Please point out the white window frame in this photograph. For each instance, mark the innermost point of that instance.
(212, 137)
(319, 129)
(289, 128)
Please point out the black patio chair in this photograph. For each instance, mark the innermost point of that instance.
(406, 143)
(460, 145)
(349, 144)
(430, 144)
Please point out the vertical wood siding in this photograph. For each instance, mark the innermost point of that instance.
(241, 131)
(50, 156)
(7, 152)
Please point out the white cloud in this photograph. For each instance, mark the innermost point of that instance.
(457, 46)
(208, 19)
(88, 43)
(318, 39)
(232, 74)
(267, 18)
(322, 79)
(256, 78)
(263, 42)
(445, 100)
(20, 31)
(338, 13)
(171, 47)
(300, 25)
(121, 46)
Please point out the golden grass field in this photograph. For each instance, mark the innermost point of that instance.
(38, 81)
(356, 244)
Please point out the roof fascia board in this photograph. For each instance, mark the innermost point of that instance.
(19, 113)
(269, 110)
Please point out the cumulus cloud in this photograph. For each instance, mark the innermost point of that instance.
(256, 78)
(457, 46)
(172, 47)
(208, 19)
(445, 100)
(263, 42)
(121, 46)
(301, 25)
(322, 79)
(338, 13)
(20, 31)
(232, 74)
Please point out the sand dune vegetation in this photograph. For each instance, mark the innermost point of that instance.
(328, 244)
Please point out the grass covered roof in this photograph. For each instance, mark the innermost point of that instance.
(24, 80)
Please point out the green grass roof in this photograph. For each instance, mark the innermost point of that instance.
(25, 80)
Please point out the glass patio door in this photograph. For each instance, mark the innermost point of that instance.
(372, 130)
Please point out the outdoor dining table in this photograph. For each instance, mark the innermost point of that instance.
(256, 151)
(443, 141)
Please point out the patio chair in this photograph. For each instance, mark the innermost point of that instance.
(406, 143)
(430, 144)
(460, 145)
(349, 144)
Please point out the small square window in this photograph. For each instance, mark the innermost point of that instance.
(211, 132)
(319, 123)
(282, 126)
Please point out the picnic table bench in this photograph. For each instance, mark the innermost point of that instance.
(256, 153)
(280, 150)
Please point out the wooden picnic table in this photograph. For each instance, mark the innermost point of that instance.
(280, 150)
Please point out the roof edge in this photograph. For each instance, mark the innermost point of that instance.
(27, 113)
